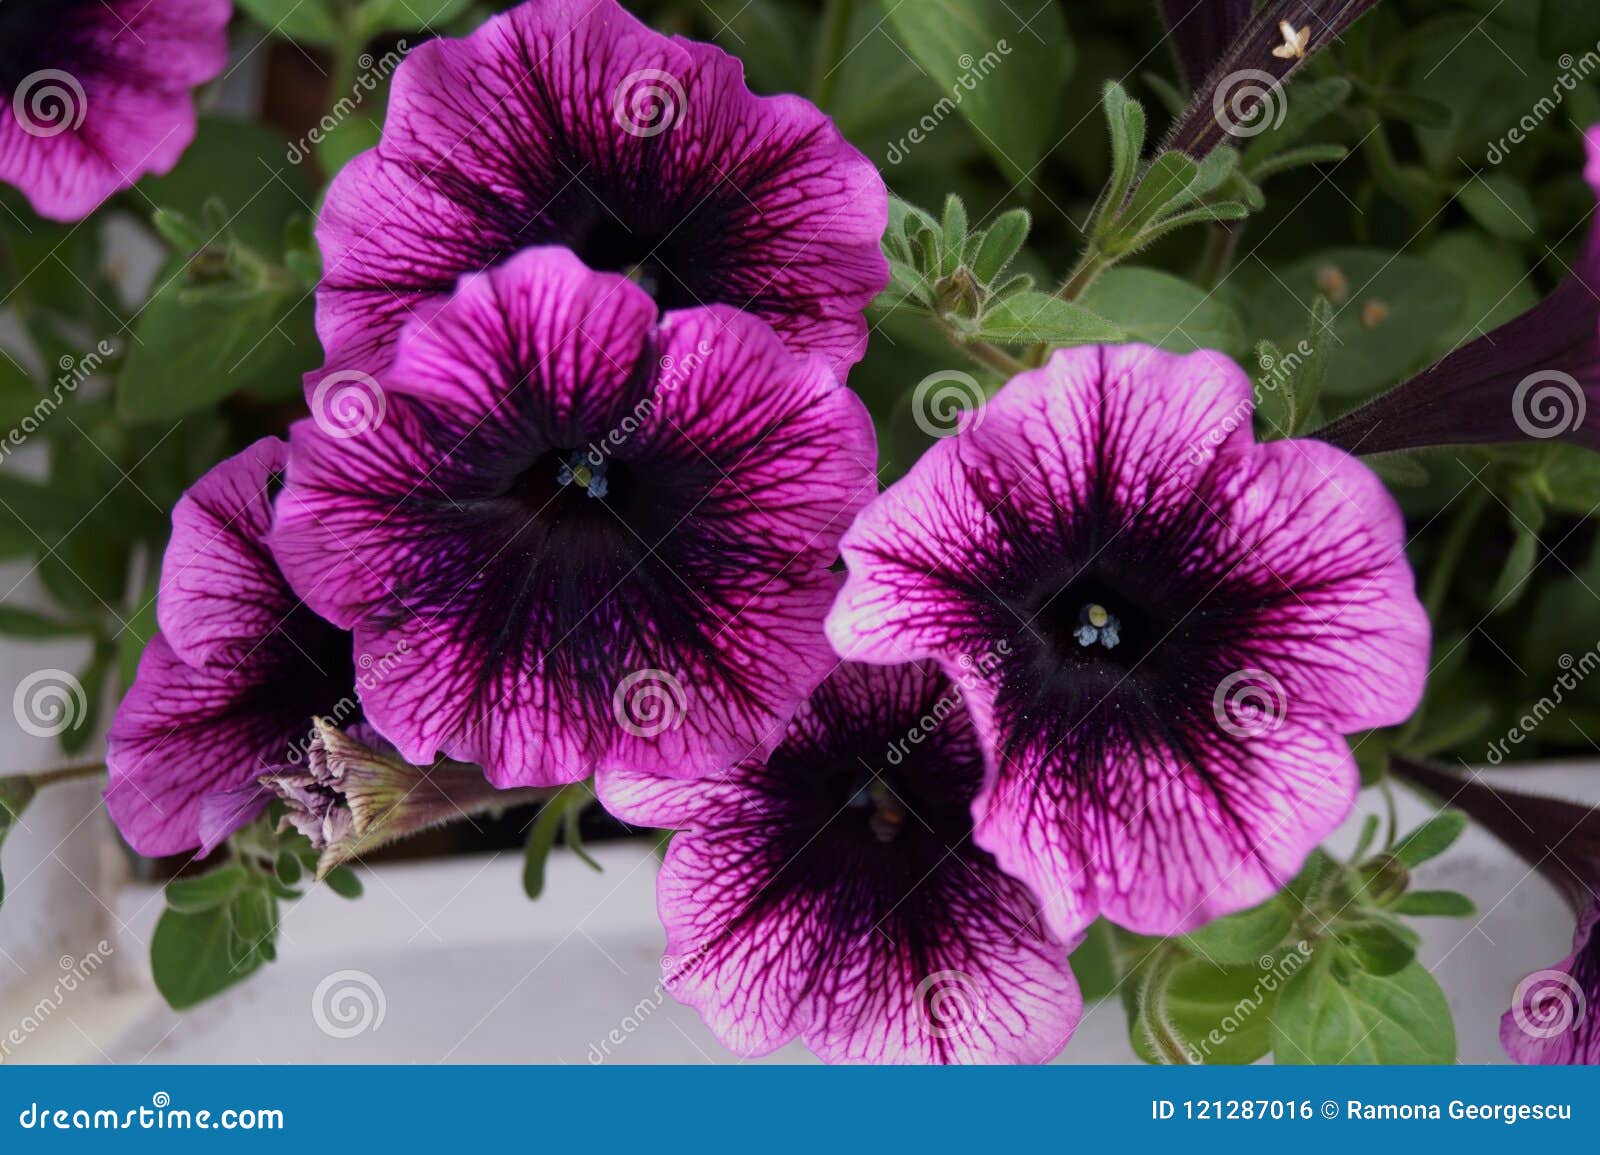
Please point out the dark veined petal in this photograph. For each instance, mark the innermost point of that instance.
(228, 689)
(833, 894)
(1161, 828)
(1169, 629)
(1202, 31)
(221, 591)
(96, 94)
(1555, 1013)
(568, 122)
(184, 734)
(603, 538)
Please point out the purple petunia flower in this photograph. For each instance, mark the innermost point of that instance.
(1535, 377)
(834, 894)
(568, 122)
(1171, 628)
(227, 690)
(96, 93)
(604, 533)
(1555, 1013)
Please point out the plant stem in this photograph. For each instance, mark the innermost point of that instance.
(830, 52)
(1091, 264)
(1455, 541)
(65, 773)
(1222, 245)
(985, 354)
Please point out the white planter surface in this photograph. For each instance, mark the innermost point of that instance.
(466, 969)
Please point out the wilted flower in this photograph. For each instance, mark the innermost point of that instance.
(1555, 1012)
(94, 94)
(1238, 64)
(1535, 377)
(568, 122)
(1191, 623)
(602, 533)
(228, 688)
(353, 794)
(833, 893)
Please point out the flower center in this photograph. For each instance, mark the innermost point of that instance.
(1090, 621)
(582, 470)
(32, 32)
(886, 814)
(1098, 626)
(641, 257)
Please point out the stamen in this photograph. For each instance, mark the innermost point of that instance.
(1098, 624)
(579, 470)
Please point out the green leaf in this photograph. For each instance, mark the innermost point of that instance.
(76, 737)
(1274, 397)
(1376, 947)
(309, 21)
(542, 837)
(1435, 903)
(1431, 839)
(1328, 1016)
(1200, 1013)
(288, 868)
(189, 355)
(1501, 206)
(206, 891)
(1125, 118)
(1497, 285)
(15, 794)
(1001, 243)
(1094, 962)
(1246, 937)
(1389, 309)
(953, 234)
(1305, 103)
(16, 622)
(141, 627)
(1164, 310)
(344, 882)
(1567, 27)
(375, 17)
(1005, 79)
(1024, 318)
(764, 34)
(196, 956)
(245, 167)
(1168, 183)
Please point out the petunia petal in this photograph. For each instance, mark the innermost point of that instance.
(221, 591)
